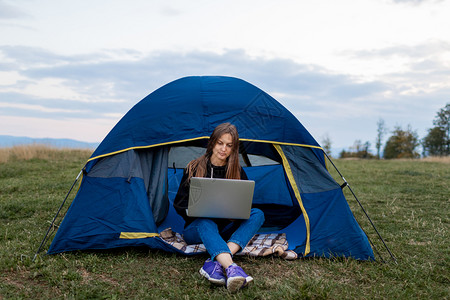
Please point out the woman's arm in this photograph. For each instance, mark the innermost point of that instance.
(182, 198)
(243, 174)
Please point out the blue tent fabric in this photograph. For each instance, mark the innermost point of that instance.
(129, 183)
(334, 232)
(103, 208)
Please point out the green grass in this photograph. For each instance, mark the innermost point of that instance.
(407, 200)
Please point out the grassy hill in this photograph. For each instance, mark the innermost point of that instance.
(408, 200)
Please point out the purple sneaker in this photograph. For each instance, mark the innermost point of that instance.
(213, 271)
(237, 278)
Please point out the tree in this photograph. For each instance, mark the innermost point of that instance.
(437, 142)
(402, 144)
(358, 150)
(326, 144)
(381, 131)
(366, 152)
(433, 143)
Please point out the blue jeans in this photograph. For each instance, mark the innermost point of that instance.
(213, 236)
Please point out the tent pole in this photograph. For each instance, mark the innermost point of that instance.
(44, 240)
(360, 204)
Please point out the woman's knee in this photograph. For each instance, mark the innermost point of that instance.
(257, 214)
(195, 232)
(205, 226)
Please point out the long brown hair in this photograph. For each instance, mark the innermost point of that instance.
(197, 167)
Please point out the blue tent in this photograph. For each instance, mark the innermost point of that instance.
(126, 194)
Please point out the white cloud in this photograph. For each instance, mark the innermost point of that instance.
(38, 108)
(308, 32)
(8, 11)
(50, 88)
(8, 78)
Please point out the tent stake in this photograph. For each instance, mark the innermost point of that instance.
(56, 215)
(360, 204)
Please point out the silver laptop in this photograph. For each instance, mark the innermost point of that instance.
(220, 198)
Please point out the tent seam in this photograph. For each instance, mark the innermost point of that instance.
(198, 138)
(145, 147)
(297, 195)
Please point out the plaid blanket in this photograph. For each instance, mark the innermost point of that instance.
(259, 245)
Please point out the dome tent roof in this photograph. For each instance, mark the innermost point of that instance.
(191, 107)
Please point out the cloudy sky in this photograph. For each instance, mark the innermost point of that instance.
(72, 69)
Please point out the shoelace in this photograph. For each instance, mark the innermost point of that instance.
(218, 268)
(234, 270)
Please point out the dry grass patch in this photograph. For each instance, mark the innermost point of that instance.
(35, 151)
(438, 159)
(22, 282)
(25, 152)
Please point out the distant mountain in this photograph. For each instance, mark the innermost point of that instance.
(10, 141)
